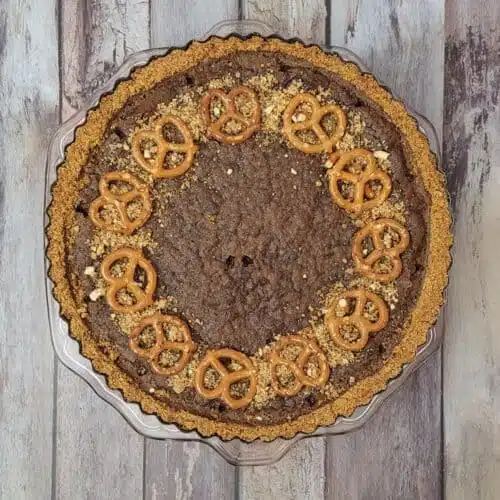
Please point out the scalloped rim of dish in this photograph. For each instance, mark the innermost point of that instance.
(420, 320)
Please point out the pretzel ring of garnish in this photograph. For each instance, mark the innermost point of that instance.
(215, 128)
(139, 192)
(135, 259)
(375, 230)
(159, 321)
(313, 123)
(309, 348)
(360, 181)
(334, 323)
(157, 167)
(227, 378)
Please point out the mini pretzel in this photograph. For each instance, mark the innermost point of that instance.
(135, 259)
(309, 348)
(360, 181)
(326, 142)
(375, 230)
(157, 166)
(334, 323)
(214, 128)
(223, 389)
(125, 225)
(162, 344)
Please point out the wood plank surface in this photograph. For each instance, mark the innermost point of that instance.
(299, 474)
(398, 452)
(29, 97)
(97, 453)
(96, 35)
(59, 439)
(176, 22)
(173, 469)
(471, 375)
(304, 19)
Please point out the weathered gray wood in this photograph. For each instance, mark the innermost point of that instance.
(187, 471)
(176, 22)
(396, 455)
(97, 452)
(290, 18)
(96, 36)
(471, 406)
(300, 474)
(29, 93)
(173, 469)
(402, 43)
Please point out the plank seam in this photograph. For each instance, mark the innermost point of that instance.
(328, 28)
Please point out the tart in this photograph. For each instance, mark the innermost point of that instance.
(249, 237)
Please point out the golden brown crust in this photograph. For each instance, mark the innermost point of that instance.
(423, 316)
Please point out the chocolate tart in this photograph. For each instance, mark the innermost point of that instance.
(249, 237)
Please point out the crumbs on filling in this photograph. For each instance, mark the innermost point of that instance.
(273, 101)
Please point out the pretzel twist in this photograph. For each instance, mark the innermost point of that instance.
(364, 326)
(215, 128)
(375, 230)
(135, 259)
(157, 167)
(309, 349)
(313, 123)
(139, 192)
(223, 388)
(364, 196)
(186, 347)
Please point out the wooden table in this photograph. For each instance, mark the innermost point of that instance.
(437, 437)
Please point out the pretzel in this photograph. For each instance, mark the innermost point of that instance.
(333, 322)
(214, 128)
(375, 230)
(309, 348)
(143, 298)
(326, 142)
(125, 225)
(157, 167)
(223, 389)
(360, 181)
(162, 344)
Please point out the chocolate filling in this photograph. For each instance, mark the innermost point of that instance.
(255, 240)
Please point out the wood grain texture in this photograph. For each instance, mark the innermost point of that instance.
(176, 22)
(300, 473)
(305, 19)
(97, 452)
(96, 36)
(471, 375)
(173, 469)
(29, 93)
(187, 471)
(398, 453)
(401, 41)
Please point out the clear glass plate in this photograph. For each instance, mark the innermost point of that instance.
(68, 351)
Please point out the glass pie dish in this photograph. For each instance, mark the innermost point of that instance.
(68, 350)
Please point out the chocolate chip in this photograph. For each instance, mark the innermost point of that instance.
(81, 210)
(311, 399)
(119, 133)
(246, 261)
